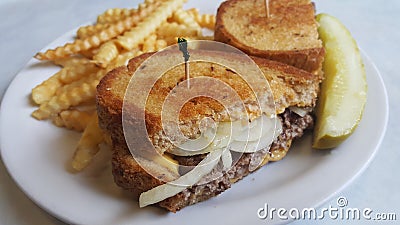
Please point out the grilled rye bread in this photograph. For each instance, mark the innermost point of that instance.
(133, 178)
(288, 35)
(290, 86)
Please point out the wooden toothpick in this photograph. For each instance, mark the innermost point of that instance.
(183, 48)
(267, 7)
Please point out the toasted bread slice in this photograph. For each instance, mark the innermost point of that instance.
(290, 86)
(288, 35)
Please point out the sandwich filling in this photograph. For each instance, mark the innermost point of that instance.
(293, 126)
(257, 138)
(239, 136)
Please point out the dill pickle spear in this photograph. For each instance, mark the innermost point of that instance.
(344, 91)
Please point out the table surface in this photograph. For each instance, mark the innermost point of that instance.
(374, 25)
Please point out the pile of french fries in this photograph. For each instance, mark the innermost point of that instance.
(67, 98)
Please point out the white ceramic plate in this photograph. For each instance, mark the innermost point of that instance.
(37, 156)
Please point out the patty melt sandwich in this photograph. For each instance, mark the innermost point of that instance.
(288, 36)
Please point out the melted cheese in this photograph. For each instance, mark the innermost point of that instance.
(239, 136)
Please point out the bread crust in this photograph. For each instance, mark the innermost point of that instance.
(309, 59)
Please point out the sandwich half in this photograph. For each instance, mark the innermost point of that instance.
(294, 93)
(289, 34)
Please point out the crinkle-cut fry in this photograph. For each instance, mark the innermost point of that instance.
(96, 40)
(204, 20)
(149, 43)
(85, 78)
(107, 52)
(111, 56)
(88, 145)
(131, 39)
(152, 44)
(44, 92)
(72, 61)
(168, 30)
(72, 119)
(89, 53)
(183, 17)
(79, 92)
(160, 44)
(112, 16)
(75, 73)
(115, 14)
(123, 59)
(77, 46)
(90, 30)
(146, 3)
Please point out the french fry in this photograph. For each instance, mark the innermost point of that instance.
(160, 44)
(88, 145)
(114, 15)
(87, 78)
(183, 17)
(113, 57)
(153, 44)
(72, 74)
(67, 98)
(204, 20)
(44, 92)
(77, 46)
(90, 30)
(72, 61)
(107, 52)
(171, 30)
(72, 119)
(122, 59)
(131, 39)
(97, 39)
(89, 53)
(149, 43)
(72, 97)
(110, 50)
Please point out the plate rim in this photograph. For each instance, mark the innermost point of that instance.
(364, 55)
